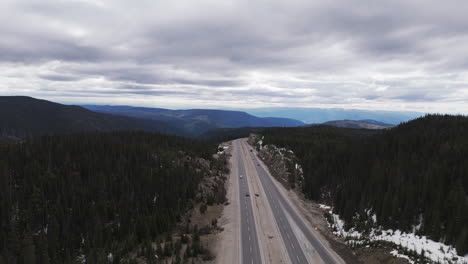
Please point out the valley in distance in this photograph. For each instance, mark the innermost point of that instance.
(126, 184)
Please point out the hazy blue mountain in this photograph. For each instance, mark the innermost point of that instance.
(375, 122)
(197, 121)
(321, 115)
(366, 124)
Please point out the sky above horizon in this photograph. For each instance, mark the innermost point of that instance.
(359, 54)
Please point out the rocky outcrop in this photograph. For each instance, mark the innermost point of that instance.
(281, 162)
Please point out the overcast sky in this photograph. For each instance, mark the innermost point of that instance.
(389, 55)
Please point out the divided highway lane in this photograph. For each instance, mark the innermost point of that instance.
(295, 252)
(280, 207)
(249, 242)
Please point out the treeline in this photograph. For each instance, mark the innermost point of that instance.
(414, 175)
(69, 197)
(227, 134)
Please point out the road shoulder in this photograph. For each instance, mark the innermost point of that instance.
(228, 246)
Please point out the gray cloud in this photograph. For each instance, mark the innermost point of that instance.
(58, 77)
(358, 54)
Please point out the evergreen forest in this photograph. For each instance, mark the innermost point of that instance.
(95, 195)
(415, 174)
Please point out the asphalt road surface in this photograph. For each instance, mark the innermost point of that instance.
(250, 251)
(283, 212)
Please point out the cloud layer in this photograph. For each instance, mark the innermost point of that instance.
(391, 55)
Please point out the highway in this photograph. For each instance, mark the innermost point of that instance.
(250, 251)
(291, 242)
(287, 218)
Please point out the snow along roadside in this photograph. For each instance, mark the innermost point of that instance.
(408, 242)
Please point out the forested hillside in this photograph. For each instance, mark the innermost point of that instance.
(83, 196)
(227, 134)
(22, 116)
(414, 175)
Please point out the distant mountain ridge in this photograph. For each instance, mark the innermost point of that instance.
(366, 124)
(22, 116)
(375, 122)
(321, 115)
(197, 121)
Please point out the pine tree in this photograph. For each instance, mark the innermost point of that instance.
(159, 250)
(42, 252)
(168, 249)
(28, 251)
(462, 242)
(53, 238)
(13, 241)
(178, 260)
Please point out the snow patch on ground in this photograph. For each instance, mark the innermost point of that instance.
(260, 143)
(432, 250)
(339, 225)
(299, 168)
(81, 259)
(222, 149)
(398, 255)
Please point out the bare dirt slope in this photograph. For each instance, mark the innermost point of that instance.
(227, 242)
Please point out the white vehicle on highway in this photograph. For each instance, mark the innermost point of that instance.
(240, 176)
